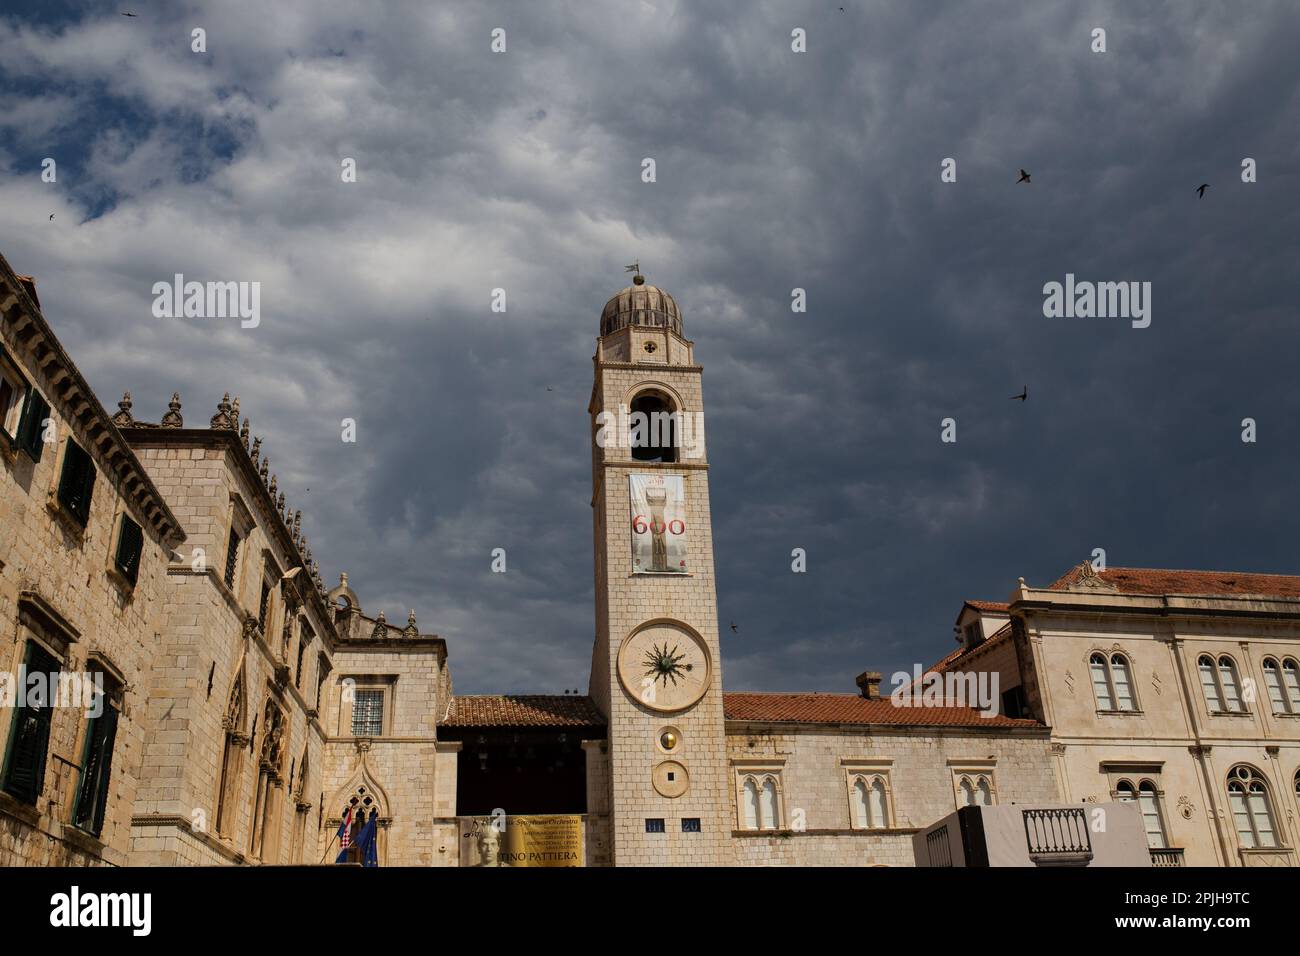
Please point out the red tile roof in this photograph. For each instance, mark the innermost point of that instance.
(1207, 583)
(990, 607)
(854, 709)
(524, 710)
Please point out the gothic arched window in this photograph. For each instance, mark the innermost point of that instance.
(1252, 811)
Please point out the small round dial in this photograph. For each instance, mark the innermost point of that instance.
(664, 666)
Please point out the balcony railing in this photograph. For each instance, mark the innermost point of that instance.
(1168, 856)
(938, 847)
(1058, 836)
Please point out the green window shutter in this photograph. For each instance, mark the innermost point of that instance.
(29, 738)
(77, 482)
(31, 427)
(130, 542)
(96, 771)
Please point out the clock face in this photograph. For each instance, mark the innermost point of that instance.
(664, 666)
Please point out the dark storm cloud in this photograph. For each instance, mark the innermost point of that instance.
(775, 171)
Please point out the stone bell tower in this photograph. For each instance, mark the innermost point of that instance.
(656, 670)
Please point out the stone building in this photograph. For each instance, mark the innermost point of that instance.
(239, 710)
(1177, 690)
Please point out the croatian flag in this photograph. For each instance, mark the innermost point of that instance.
(345, 831)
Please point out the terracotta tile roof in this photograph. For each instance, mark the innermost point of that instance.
(854, 709)
(990, 607)
(524, 710)
(1208, 583)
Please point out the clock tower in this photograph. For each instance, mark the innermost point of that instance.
(656, 670)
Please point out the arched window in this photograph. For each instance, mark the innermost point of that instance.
(1283, 685)
(1252, 812)
(1209, 683)
(653, 428)
(232, 756)
(1147, 798)
(750, 804)
(975, 790)
(767, 804)
(1228, 681)
(861, 813)
(1112, 682)
(1123, 683)
(1220, 685)
(1101, 682)
(870, 803)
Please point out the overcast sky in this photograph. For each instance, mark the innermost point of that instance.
(775, 170)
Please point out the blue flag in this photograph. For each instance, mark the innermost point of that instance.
(369, 843)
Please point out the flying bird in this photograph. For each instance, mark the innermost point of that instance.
(1022, 396)
(549, 389)
(733, 628)
(1200, 190)
(51, 217)
(128, 14)
(1024, 177)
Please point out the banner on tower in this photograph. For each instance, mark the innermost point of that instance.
(658, 523)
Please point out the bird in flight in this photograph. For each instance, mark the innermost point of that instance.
(549, 389)
(1200, 190)
(1022, 396)
(734, 629)
(128, 14)
(1024, 177)
(51, 217)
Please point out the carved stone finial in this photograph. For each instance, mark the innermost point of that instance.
(411, 630)
(243, 434)
(173, 417)
(343, 579)
(279, 501)
(226, 417)
(264, 468)
(380, 631)
(297, 524)
(123, 418)
(257, 450)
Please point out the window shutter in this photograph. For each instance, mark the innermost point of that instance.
(29, 740)
(109, 719)
(30, 427)
(77, 482)
(130, 542)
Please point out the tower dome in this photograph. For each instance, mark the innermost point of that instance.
(640, 304)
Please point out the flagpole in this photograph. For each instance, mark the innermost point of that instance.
(327, 848)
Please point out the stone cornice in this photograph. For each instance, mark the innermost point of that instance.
(79, 405)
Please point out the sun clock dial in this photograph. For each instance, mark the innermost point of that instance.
(664, 666)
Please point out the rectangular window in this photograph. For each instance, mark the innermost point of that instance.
(130, 543)
(690, 824)
(1014, 703)
(31, 428)
(29, 735)
(232, 558)
(13, 392)
(96, 771)
(77, 482)
(368, 713)
(262, 606)
(654, 825)
(297, 675)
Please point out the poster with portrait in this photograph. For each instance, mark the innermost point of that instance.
(658, 523)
